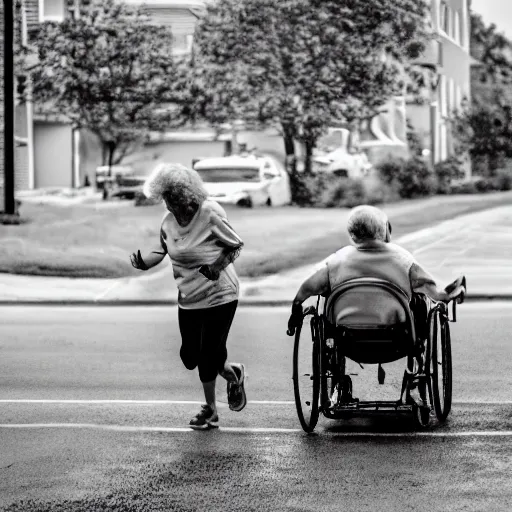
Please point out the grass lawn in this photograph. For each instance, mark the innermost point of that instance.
(95, 240)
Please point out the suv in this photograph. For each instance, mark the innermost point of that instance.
(245, 180)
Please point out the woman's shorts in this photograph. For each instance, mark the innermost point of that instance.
(204, 333)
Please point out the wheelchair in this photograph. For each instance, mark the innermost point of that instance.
(321, 349)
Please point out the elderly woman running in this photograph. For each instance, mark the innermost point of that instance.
(202, 246)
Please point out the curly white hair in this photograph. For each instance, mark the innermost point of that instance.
(367, 223)
(184, 185)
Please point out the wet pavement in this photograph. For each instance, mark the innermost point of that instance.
(94, 406)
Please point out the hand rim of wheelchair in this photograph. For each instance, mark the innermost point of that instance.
(430, 389)
(438, 323)
(307, 421)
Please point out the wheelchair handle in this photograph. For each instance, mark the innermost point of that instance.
(459, 299)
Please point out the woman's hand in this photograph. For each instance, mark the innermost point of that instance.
(210, 272)
(137, 261)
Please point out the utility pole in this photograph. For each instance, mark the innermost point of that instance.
(10, 204)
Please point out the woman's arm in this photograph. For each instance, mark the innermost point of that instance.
(150, 258)
(230, 242)
(226, 257)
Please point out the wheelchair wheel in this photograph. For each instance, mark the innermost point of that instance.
(441, 365)
(421, 413)
(306, 373)
(421, 416)
(330, 365)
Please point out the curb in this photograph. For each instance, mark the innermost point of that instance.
(478, 297)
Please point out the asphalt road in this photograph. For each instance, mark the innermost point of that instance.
(94, 407)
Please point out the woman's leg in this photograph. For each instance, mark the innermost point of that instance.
(214, 355)
(190, 323)
(191, 328)
(209, 394)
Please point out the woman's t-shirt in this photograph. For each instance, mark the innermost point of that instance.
(201, 243)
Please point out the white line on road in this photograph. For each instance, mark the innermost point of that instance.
(263, 430)
(198, 402)
(137, 402)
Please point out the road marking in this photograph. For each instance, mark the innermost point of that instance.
(105, 292)
(198, 402)
(262, 430)
(136, 402)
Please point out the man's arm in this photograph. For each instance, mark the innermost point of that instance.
(317, 284)
(423, 282)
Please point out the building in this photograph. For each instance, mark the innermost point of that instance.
(179, 15)
(449, 57)
(38, 138)
(446, 64)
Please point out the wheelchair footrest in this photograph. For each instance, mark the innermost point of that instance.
(370, 408)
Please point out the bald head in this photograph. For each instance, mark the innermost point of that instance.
(367, 223)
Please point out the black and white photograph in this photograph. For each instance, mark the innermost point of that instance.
(255, 255)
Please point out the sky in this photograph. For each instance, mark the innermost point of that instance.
(495, 11)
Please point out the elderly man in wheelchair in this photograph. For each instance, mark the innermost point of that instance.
(379, 306)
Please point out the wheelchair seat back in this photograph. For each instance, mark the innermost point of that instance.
(371, 320)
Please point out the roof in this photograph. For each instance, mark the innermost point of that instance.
(178, 4)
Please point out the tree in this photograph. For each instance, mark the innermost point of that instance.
(485, 128)
(110, 71)
(302, 64)
(493, 50)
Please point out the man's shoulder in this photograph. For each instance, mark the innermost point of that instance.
(340, 254)
(398, 249)
(401, 252)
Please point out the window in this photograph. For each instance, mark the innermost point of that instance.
(229, 175)
(443, 93)
(451, 97)
(444, 18)
(51, 10)
(458, 97)
(190, 41)
(456, 27)
(24, 27)
(74, 8)
(464, 26)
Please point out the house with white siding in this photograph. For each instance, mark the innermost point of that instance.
(40, 137)
(450, 57)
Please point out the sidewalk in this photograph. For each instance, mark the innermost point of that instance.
(478, 245)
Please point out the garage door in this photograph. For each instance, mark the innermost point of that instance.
(53, 156)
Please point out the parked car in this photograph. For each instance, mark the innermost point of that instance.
(116, 171)
(245, 180)
(343, 163)
(127, 187)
